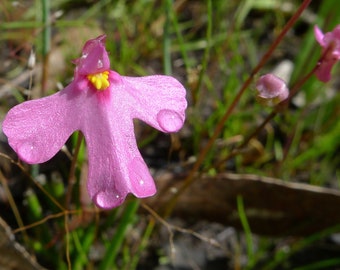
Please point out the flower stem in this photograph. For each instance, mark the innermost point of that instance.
(71, 177)
(284, 104)
(46, 43)
(220, 125)
(277, 109)
(167, 39)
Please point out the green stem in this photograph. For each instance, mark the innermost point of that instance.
(71, 178)
(247, 231)
(112, 250)
(167, 39)
(46, 43)
(206, 51)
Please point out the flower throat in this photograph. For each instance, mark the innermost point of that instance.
(99, 80)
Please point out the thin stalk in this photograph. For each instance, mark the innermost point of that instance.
(45, 219)
(142, 245)
(206, 51)
(13, 205)
(46, 43)
(245, 225)
(71, 177)
(220, 125)
(277, 109)
(108, 261)
(283, 105)
(67, 243)
(167, 39)
(180, 40)
(21, 167)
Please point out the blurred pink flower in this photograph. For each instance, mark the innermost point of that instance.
(330, 42)
(271, 90)
(102, 105)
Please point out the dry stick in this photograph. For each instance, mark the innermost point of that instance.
(190, 178)
(13, 205)
(17, 163)
(67, 244)
(42, 221)
(171, 228)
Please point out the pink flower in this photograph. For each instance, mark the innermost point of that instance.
(330, 42)
(102, 105)
(271, 90)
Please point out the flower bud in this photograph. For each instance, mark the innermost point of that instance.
(330, 43)
(271, 90)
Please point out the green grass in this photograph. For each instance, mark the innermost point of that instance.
(212, 47)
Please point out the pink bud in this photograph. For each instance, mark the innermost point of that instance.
(330, 43)
(271, 90)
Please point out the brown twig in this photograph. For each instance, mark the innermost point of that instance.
(21, 167)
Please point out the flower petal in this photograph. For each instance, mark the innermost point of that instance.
(323, 72)
(319, 35)
(95, 58)
(37, 129)
(116, 167)
(157, 100)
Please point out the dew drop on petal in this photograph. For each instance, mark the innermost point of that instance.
(142, 184)
(28, 152)
(108, 199)
(100, 63)
(169, 120)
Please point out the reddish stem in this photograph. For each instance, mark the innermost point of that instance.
(220, 125)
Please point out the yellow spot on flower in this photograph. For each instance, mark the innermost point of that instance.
(99, 80)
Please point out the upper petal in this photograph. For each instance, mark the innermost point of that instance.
(94, 59)
(37, 129)
(323, 72)
(157, 100)
(319, 35)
